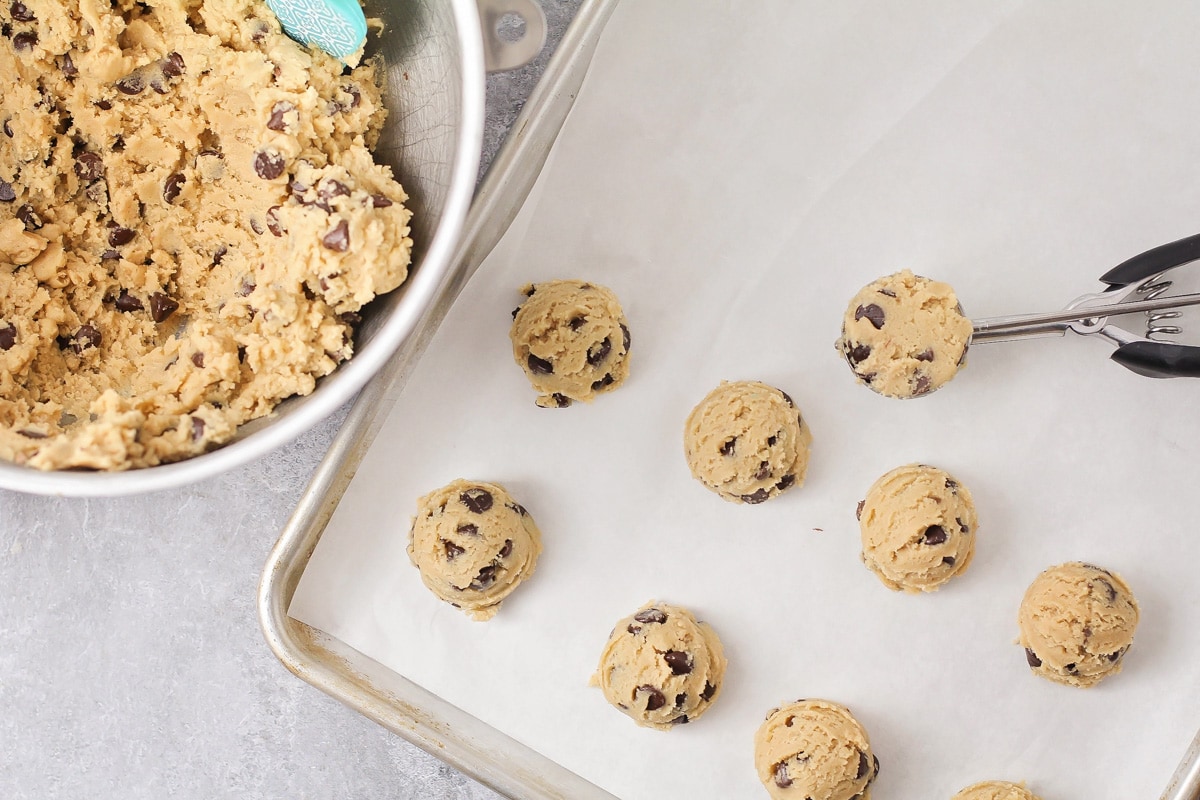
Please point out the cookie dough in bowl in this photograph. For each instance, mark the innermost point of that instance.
(661, 667)
(473, 544)
(918, 528)
(905, 336)
(814, 750)
(572, 340)
(747, 442)
(996, 790)
(1077, 623)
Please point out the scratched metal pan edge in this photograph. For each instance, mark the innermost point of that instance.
(357, 681)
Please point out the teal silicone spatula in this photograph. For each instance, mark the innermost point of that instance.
(336, 26)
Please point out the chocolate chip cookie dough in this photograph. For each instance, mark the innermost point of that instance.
(995, 790)
(905, 336)
(814, 750)
(1077, 623)
(747, 442)
(190, 220)
(473, 545)
(661, 667)
(918, 528)
(572, 340)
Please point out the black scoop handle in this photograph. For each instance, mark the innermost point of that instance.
(1152, 262)
(1159, 359)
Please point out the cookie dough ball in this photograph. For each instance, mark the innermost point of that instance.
(1077, 623)
(918, 528)
(572, 340)
(747, 442)
(661, 667)
(473, 545)
(814, 750)
(905, 335)
(996, 790)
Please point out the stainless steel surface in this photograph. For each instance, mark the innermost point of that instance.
(1185, 783)
(1092, 311)
(502, 51)
(435, 93)
(341, 672)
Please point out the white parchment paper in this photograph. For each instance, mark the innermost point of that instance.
(735, 172)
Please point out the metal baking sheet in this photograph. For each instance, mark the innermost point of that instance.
(1046, 267)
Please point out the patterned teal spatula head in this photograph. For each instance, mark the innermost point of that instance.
(336, 26)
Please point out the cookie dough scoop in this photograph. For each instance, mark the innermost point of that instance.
(996, 790)
(814, 750)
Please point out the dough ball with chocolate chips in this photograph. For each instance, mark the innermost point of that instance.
(661, 667)
(1077, 623)
(747, 442)
(473, 545)
(572, 340)
(996, 790)
(814, 750)
(918, 528)
(904, 335)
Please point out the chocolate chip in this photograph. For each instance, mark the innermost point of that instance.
(453, 551)
(962, 526)
(952, 485)
(934, 534)
(110, 255)
(780, 773)
(467, 529)
(131, 84)
(680, 699)
(1071, 668)
(772, 439)
(103, 105)
(756, 498)
(260, 32)
(539, 366)
(649, 615)
(634, 629)
(330, 189)
(32, 434)
(268, 164)
(872, 312)
(858, 511)
(273, 221)
(67, 65)
(173, 186)
(219, 254)
(679, 662)
(626, 340)
(785, 482)
(1110, 590)
(7, 129)
(682, 719)
(197, 429)
(355, 94)
(89, 166)
(476, 500)
(172, 66)
(379, 201)
(654, 698)
(863, 764)
(709, 691)
(921, 386)
(7, 194)
(25, 40)
(1115, 657)
(601, 352)
(8, 337)
(20, 12)
(162, 306)
(350, 318)
(256, 226)
(577, 322)
(506, 550)
(127, 302)
(726, 449)
(198, 359)
(764, 471)
(858, 353)
(607, 380)
(1032, 658)
(948, 561)
(887, 292)
(924, 355)
(485, 578)
(788, 398)
(561, 400)
(29, 218)
(84, 338)
(875, 764)
(118, 236)
(246, 289)
(338, 239)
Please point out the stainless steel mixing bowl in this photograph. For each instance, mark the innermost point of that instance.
(434, 51)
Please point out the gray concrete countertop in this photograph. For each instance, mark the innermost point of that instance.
(131, 660)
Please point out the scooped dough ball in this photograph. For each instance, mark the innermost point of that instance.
(1077, 623)
(473, 545)
(814, 750)
(572, 340)
(918, 528)
(996, 790)
(747, 442)
(661, 667)
(904, 335)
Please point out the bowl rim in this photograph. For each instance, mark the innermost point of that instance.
(351, 376)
